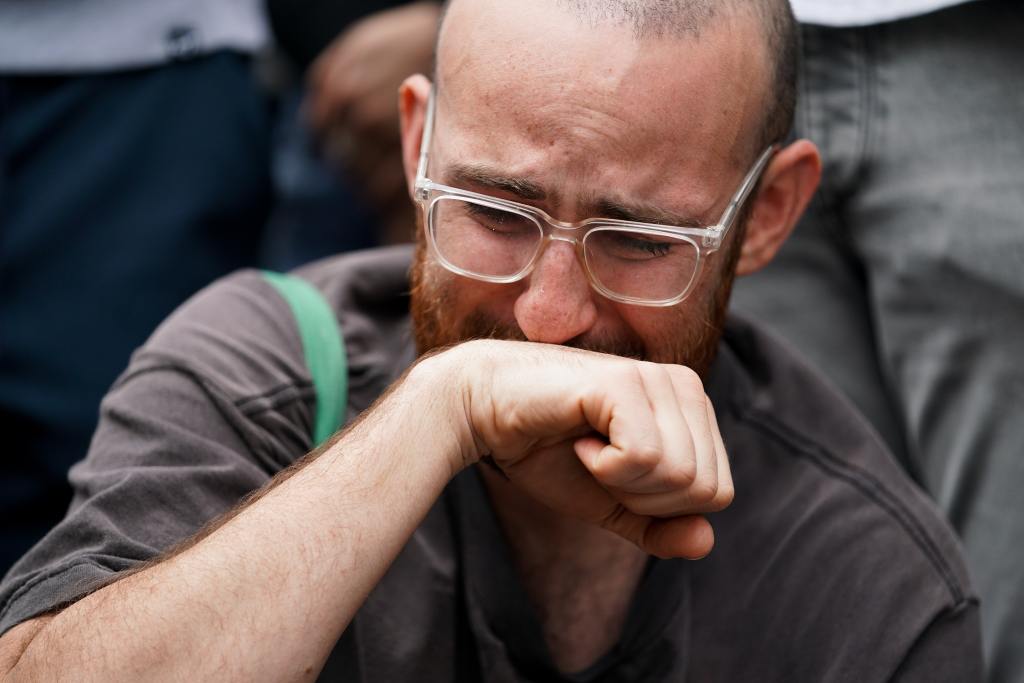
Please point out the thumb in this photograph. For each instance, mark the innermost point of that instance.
(690, 537)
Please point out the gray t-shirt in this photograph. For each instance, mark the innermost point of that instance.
(829, 566)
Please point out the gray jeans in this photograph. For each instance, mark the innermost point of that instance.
(905, 281)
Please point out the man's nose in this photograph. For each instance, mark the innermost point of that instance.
(558, 303)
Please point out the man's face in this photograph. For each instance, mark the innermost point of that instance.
(594, 118)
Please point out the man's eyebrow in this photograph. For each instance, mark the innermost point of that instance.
(483, 177)
(643, 213)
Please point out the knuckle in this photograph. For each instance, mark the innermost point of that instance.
(645, 456)
(631, 373)
(683, 477)
(688, 379)
(704, 490)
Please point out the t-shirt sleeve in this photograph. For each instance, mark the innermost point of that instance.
(209, 410)
(948, 650)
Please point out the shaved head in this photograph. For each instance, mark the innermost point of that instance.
(650, 18)
(688, 19)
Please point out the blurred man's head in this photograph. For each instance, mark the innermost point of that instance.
(647, 109)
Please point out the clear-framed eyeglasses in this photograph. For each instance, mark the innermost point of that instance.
(497, 240)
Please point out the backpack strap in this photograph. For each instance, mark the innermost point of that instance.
(323, 347)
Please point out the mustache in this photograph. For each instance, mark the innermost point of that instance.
(481, 326)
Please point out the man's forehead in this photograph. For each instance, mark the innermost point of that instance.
(530, 92)
(537, 60)
(536, 42)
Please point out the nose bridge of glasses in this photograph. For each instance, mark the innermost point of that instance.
(557, 231)
(564, 232)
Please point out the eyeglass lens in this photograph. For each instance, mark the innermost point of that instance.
(494, 242)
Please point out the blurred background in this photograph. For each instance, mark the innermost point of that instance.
(149, 148)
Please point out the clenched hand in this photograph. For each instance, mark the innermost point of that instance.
(631, 446)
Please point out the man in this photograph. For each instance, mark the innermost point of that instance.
(917, 106)
(384, 555)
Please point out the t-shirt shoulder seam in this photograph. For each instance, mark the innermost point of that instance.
(863, 481)
(242, 403)
(249, 411)
(270, 394)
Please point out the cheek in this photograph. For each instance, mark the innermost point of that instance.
(656, 327)
(458, 300)
(710, 277)
(684, 334)
(473, 297)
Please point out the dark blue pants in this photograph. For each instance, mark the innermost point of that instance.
(120, 195)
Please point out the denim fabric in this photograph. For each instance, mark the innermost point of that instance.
(121, 194)
(905, 282)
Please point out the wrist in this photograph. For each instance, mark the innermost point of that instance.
(439, 383)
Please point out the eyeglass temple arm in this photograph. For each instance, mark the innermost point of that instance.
(428, 131)
(749, 183)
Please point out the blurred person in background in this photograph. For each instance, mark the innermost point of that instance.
(904, 282)
(134, 156)
(337, 161)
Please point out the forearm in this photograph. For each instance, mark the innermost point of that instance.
(266, 595)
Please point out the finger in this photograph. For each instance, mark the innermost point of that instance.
(677, 468)
(688, 467)
(689, 537)
(624, 413)
(614, 467)
(694, 405)
(588, 450)
(665, 505)
(726, 488)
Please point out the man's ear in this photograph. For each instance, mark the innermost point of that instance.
(786, 189)
(412, 111)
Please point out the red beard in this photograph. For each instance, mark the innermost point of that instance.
(693, 342)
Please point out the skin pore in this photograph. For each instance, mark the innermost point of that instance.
(658, 122)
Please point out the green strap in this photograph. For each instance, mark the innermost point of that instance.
(323, 347)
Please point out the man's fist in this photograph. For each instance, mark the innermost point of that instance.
(631, 446)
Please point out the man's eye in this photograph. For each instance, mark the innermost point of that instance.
(629, 245)
(498, 220)
(487, 213)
